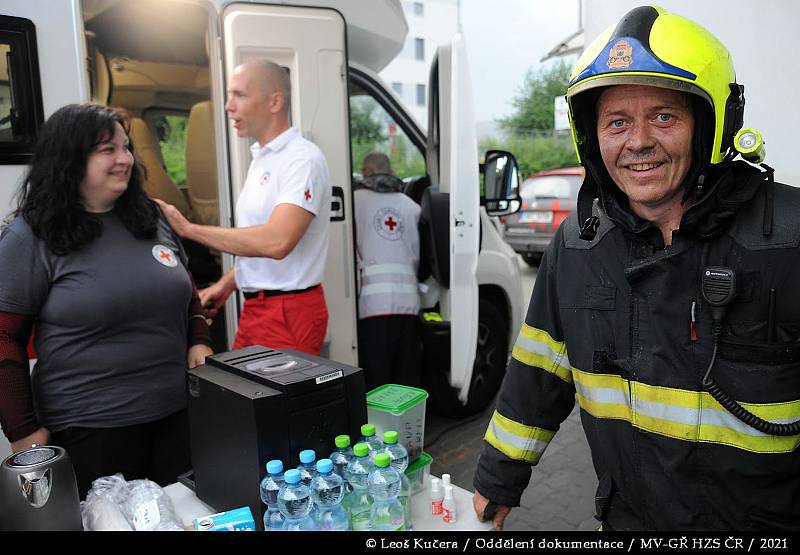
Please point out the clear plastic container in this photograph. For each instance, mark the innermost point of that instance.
(400, 408)
(419, 471)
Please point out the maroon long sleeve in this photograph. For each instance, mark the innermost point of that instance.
(16, 400)
(198, 328)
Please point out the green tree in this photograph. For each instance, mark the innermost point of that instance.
(533, 105)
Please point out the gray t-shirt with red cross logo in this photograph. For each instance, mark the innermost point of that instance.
(110, 324)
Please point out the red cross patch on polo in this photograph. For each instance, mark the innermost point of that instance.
(165, 256)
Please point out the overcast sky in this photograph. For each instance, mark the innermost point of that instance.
(504, 39)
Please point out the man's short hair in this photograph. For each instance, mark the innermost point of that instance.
(376, 162)
(272, 78)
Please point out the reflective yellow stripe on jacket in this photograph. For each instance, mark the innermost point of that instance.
(517, 441)
(677, 413)
(682, 414)
(536, 347)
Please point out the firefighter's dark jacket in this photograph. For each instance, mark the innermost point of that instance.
(610, 324)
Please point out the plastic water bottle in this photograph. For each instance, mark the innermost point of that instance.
(368, 436)
(307, 466)
(270, 486)
(387, 513)
(399, 461)
(294, 502)
(327, 491)
(341, 457)
(359, 502)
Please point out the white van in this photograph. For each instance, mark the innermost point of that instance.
(166, 62)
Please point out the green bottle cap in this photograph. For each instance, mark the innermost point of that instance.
(361, 449)
(342, 441)
(368, 430)
(390, 436)
(382, 460)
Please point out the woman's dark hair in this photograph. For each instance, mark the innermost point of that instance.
(50, 199)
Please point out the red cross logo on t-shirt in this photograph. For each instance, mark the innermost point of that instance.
(166, 256)
(307, 194)
(390, 223)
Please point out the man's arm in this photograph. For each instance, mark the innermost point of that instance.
(275, 239)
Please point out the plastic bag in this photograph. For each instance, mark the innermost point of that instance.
(115, 504)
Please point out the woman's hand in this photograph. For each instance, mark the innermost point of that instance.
(197, 355)
(39, 437)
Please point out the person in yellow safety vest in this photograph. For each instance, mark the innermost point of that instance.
(669, 309)
(387, 242)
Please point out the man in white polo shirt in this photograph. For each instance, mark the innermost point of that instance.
(282, 217)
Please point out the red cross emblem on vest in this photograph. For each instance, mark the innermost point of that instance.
(390, 223)
(165, 255)
(307, 194)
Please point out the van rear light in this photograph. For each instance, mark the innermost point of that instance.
(502, 220)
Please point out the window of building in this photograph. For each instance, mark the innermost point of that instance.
(21, 112)
(419, 9)
(419, 49)
(420, 95)
(398, 88)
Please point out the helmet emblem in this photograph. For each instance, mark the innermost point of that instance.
(621, 55)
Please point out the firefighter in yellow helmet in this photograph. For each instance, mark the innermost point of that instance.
(668, 307)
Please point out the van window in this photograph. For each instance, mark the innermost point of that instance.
(21, 112)
(372, 129)
(171, 131)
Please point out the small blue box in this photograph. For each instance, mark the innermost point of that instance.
(236, 520)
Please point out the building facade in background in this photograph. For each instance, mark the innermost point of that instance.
(430, 24)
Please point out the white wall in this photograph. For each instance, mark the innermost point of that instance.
(437, 26)
(763, 38)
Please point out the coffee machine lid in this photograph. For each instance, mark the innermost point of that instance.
(34, 456)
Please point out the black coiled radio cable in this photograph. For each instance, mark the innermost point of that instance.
(719, 288)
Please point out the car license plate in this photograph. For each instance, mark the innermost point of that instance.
(536, 217)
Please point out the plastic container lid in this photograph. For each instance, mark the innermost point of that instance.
(274, 466)
(390, 436)
(395, 398)
(292, 476)
(307, 456)
(383, 459)
(342, 441)
(419, 463)
(361, 450)
(324, 466)
(368, 430)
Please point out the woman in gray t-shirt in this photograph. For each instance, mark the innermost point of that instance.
(89, 263)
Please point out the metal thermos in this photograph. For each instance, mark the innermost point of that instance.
(38, 491)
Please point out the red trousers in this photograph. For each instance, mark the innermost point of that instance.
(295, 321)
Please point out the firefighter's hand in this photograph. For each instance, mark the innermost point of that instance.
(176, 220)
(496, 513)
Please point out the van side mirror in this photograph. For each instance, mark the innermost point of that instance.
(500, 191)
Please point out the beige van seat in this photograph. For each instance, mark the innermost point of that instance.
(155, 181)
(201, 164)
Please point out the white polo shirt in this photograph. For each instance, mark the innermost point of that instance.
(287, 170)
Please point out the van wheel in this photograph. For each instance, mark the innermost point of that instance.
(488, 370)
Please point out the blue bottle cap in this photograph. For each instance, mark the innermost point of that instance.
(292, 476)
(275, 466)
(324, 466)
(308, 456)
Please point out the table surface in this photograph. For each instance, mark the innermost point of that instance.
(188, 507)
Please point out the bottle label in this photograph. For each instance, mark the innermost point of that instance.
(436, 507)
(361, 522)
(449, 515)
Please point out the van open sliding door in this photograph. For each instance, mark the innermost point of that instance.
(310, 43)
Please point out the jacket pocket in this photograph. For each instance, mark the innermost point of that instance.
(747, 342)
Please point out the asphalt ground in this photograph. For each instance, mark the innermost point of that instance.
(560, 495)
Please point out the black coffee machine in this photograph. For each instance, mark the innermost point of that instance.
(255, 404)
